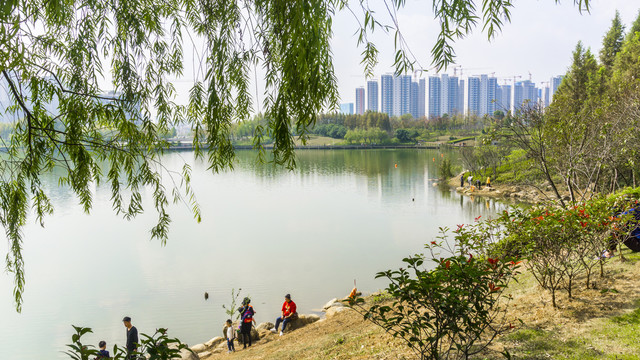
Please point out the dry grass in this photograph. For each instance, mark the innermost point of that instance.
(599, 323)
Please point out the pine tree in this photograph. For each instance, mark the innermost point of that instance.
(612, 42)
(635, 28)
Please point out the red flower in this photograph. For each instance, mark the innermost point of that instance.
(433, 243)
(511, 326)
(478, 218)
(492, 261)
(447, 264)
(514, 263)
(470, 257)
(584, 224)
(493, 287)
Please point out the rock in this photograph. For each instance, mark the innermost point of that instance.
(304, 320)
(329, 304)
(204, 354)
(514, 195)
(460, 189)
(214, 342)
(220, 350)
(188, 355)
(198, 348)
(516, 189)
(265, 326)
(334, 310)
(332, 303)
(506, 193)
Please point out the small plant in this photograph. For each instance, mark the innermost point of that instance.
(232, 310)
(451, 311)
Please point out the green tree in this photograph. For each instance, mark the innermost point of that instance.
(58, 52)
(635, 27)
(612, 42)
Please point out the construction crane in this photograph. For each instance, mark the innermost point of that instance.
(529, 75)
(467, 69)
(514, 77)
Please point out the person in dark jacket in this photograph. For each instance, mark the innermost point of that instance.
(247, 321)
(132, 338)
(103, 353)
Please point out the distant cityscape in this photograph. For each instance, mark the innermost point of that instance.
(450, 95)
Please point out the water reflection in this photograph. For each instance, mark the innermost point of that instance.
(340, 215)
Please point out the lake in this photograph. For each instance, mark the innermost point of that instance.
(341, 215)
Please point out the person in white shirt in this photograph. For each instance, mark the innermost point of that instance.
(231, 335)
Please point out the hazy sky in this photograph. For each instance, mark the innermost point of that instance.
(539, 39)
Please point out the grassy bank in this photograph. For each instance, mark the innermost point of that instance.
(598, 323)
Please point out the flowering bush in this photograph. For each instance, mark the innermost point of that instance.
(451, 310)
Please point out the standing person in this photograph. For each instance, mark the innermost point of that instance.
(247, 320)
(288, 313)
(231, 335)
(470, 180)
(478, 184)
(132, 338)
(488, 181)
(102, 353)
(462, 180)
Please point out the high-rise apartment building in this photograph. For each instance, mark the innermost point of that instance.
(414, 99)
(553, 85)
(545, 96)
(372, 95)
(422, 95)
(488, 87)
(346, 108)
(360, 100)
(435, 94)
(461, 109)
(397, 91)
(503, 98)
(405, 95)
(473, 96)
(386, 94)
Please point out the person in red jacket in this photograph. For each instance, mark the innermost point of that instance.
(288, 313)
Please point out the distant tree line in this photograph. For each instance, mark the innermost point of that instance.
(586, 141)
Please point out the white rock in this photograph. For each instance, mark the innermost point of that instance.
(265, 326)
(188, 355)
(204, 354)
(329, 304)
(214, 342)
(198, 348)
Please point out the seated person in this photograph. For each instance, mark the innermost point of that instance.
(288, 313)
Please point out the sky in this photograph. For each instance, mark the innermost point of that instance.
(539, 40)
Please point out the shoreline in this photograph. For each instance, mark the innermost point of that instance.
(529, 194)
(189, 147)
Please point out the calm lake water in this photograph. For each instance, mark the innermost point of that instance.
(341, 215)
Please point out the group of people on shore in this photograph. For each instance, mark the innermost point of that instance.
(247, 312)
(470, 180)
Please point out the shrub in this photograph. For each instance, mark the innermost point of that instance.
(451, 311)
